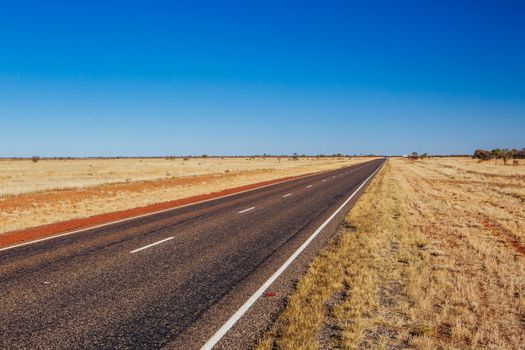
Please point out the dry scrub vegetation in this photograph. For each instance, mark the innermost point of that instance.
(431, 257)
(47, 191)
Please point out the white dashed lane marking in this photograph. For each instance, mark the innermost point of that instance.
(151, 245)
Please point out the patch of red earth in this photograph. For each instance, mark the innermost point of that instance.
(20, 236)
(501, 232)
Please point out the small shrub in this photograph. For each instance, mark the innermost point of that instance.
(35, 159)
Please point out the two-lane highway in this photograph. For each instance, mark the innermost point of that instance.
(169, 279)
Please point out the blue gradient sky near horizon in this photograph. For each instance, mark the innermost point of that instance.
(152, 78)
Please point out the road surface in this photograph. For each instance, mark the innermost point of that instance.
(171, 279)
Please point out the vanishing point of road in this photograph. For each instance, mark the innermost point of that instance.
(211, 274)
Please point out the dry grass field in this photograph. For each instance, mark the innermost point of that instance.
(431, 257)
(49, 191)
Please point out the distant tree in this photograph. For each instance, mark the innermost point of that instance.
(424, 155)
(482, 154)
(506, 154)
(35, 159)
(295, 156)
(518, 153)
(496, 154)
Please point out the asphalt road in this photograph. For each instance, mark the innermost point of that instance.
(169, 279)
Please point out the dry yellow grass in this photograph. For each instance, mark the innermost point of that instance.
(33, 194)
(24, 176)
(431, 257)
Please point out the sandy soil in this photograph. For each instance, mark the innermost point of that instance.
(49, 191)
(431, 257)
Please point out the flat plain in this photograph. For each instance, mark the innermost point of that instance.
(431, 257)
(54, 190)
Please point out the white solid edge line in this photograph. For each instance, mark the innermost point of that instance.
(152, 213)
(246, 306)
(245, 210)
(151, 245)
(286, 195)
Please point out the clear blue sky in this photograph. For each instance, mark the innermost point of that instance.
(103, 78)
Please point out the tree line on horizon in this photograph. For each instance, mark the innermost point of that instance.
(499, 153)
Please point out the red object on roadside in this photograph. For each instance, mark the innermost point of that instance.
(269, 294)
